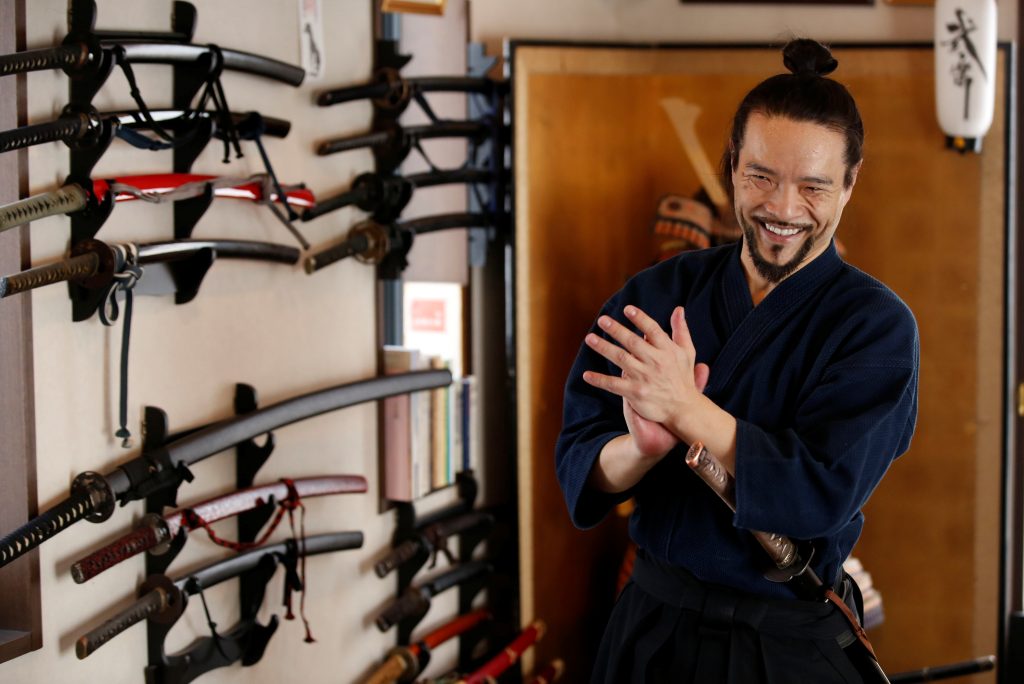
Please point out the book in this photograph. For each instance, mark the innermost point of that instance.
(397, 431)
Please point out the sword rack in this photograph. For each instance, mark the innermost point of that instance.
(248, 639)
(485, 129)
(408, 526)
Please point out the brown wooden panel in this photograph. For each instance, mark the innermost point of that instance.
(20, 623)
(594, 152)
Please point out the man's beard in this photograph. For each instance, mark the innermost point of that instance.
(773, 273)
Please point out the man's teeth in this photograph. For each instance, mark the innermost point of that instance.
(784, 232)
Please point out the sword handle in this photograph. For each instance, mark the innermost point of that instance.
(367, 241)
(74, 268)
(156, 601)
(67, 128)
(400, 554)
(780, 549)
(410, 603)
(90, 498)
(149, 534)
(66, 57)
(401, 666)
(62, 201)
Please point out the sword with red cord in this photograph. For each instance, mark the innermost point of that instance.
(94, 496)
(154, 532)
(164, 600)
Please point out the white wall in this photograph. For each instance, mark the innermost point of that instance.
(672, 21)
(271, 326)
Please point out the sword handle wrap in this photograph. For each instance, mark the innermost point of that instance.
(90, 498)
(63, 201)
(400, 666)
(780, 549)
(367, 241)
(74, 268)
(150, 604)
(409, 603)
(149, 534)
(400, 554)
(66, 57)
(66, 128)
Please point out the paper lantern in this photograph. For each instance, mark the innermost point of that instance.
(965, 70)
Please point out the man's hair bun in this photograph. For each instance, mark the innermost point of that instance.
(803, 56)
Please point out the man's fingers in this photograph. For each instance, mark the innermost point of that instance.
(701, 372)
(647, 325)
(614, 353)
(681, 331)
(606, 382)
(633, 343)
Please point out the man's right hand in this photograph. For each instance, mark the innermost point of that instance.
(653, 440)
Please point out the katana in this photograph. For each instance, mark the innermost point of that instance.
(405, 663)
(432, 539)
(83, 127)
(415, 601)
(391, 92)
(93, 496)
(373, 192)
(507, 657)
(792, 565)
(164, 600)
(154, 533)
(95, 264)
(156, 188)
(78, 58)
(405, 138)
(371, 243)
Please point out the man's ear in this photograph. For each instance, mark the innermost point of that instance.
(853, 174)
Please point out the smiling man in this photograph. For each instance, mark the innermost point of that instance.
(798, 371)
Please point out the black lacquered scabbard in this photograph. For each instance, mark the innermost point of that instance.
(93, 495)
(408, 136)
(390, 90)
(160, 595)
(235, 60)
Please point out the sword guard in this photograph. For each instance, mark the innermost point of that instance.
(802, 563)
(96, 488)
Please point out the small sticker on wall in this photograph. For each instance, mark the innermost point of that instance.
(311, 39)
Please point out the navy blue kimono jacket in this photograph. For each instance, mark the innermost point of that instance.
(822, 379)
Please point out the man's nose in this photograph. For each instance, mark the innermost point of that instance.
(785, 202)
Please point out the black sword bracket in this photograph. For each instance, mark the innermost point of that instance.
(187, 212)
(86, 222)
(407, 526)
(246, 641)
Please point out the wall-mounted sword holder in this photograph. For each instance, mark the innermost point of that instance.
(408, 527)
(246, 641)
(85, 82)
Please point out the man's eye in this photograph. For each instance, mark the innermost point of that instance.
(762, 182)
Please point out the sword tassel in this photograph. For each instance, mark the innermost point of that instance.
(63, 57)
(76, 267)
(63, 201)
(152, 603)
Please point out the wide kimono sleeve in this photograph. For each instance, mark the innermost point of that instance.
(590, 419)
(810, 479)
